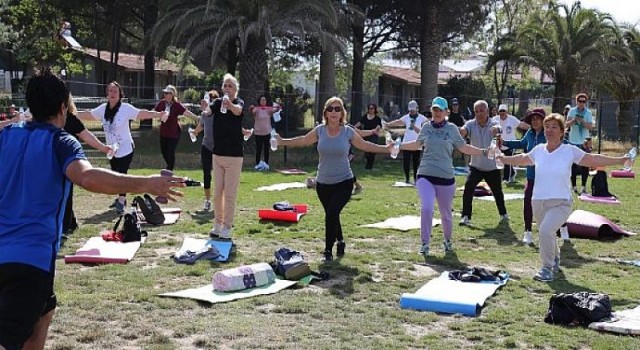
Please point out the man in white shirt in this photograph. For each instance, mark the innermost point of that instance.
(508, 125)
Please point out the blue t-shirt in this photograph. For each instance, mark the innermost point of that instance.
(33, 160)
(333, 152)
(578, 132)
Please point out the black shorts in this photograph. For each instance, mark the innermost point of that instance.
(26, 293)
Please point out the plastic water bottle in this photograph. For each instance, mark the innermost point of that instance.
(387, 138)
(223, 109)
(21, 114)
(499, 164)
(192, 134)
(491, 152)
(246, 137)
(396, 148)
(632, 158)
(162, 199)
(273, 141)
(113, 151)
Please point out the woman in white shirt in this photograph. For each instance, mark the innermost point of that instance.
(551, 200)
(115, 116)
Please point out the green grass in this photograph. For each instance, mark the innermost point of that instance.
(116, 306)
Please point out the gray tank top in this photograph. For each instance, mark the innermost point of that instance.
(333, 166)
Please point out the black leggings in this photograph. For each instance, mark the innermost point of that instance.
(206, 157)
(492, 177)
(69, 221)
(121, 165)
(333, 198)
(168, 146)
(262, 143)
(409, 157)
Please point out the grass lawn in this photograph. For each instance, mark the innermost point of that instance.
(117, 307)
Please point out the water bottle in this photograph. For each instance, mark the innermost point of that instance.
(387, 138)
(21, 114)
(113, 151)
(396, 148)
(273, 141)
(491, 152)
(499, 164)
(246, 137)
(192, 134)
(223, 109)
(632, 157)
(162, 199)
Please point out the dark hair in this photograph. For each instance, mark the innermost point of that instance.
(375, 107)
(110, 113)
(45, 94)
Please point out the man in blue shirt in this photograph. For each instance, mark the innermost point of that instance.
(580, 120)
(38, 162)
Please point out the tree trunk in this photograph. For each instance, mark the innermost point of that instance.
(115, 43)
(357, 75)
(430, 44)
(563, 89)
(626, 122)
(232, 57)
(253, 70)
(327, 79)
(149, 20)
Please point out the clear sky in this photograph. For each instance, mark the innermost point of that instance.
(621, 10)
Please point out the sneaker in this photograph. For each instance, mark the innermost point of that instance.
(528, 238)
(340, 248)
(424, 250)
(465, 221)
(120, 207)
(207, 205)
(225, 233)
(583, 190)
(504, 217)
(113, 205)
(327, 256)
(448, 246)
(564, 233)
(575, 189)
(357, 190)
(544, 275)
(215, 231)
(556, 265)
(265, 167)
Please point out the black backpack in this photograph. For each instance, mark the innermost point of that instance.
(150, 209)
(131, 231)
(579, 308)
(599, 185)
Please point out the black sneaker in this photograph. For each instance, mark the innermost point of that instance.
(340, 248)
(328, 256)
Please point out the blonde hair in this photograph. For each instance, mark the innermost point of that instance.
(71, 106)
(233, 79)
(343, 119)
(559, 118)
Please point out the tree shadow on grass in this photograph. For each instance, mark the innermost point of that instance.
(108, 216)
(201, 217)
(340, 281)
(502, 234)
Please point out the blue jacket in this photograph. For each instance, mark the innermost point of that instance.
(527, 143)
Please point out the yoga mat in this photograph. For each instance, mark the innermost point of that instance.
(402, 223)
(452, 297)
(98, 251)
(206, 293)
(223, 247)
(292, 171)
(507, 197)
(585, 197)
(635, 263)
(623, 173)
(584, 224)
(622, 322)
(460, 171)
(282, 186)
(402, 184)
(171, 216)
(284, 215)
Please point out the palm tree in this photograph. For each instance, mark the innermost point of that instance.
(210, 26)
(562, 42)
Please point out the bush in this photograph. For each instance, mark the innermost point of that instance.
(191, 95)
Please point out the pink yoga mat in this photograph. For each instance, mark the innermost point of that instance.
(601, 200)
(584, 224)
(623, 173)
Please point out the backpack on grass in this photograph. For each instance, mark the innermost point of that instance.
(150, 209)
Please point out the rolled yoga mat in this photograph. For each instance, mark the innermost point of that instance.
(585, 197)
(284, 215)
(584, 224)
(623, 173)
(452, 297)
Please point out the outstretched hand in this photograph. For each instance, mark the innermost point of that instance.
(164, 186)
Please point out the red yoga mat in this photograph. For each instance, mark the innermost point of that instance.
(284, 215)
(623, 173)
(584, 224)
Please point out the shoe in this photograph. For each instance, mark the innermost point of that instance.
(564, 233)
(327, 256)
(215, 231)
(340, 248)
(424, 250)
(544, 275)
(207, 205)
(556, 265)
(528, 238)
(504, 217)
(448, 246)
(575, 189)
(265, 167)
(357, 190)
(120, 207)
(113, 205)
(465, 221)
(583, 190)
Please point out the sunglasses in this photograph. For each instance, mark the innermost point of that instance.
(502, 110)
(582, 101)
(334, 109)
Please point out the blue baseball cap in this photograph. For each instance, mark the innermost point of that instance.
(440, 103)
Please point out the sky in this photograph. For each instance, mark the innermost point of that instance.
(621, 10)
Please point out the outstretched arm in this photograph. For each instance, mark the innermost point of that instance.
(367, 146)
(522, 159)
(90, 139)
(144, 114)
(598, 160)
(306, 140)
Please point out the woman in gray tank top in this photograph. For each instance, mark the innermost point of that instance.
(334, 181)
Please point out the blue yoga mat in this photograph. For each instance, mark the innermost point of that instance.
(224, 247)
(452, 297)
(460, 171)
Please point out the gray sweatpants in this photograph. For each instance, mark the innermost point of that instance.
(550, 214)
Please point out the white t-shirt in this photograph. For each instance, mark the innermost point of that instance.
(553, 170)
(409, 133)
(118, 131)
(509, 126)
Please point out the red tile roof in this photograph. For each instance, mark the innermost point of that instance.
(132, 61)
(406, 75)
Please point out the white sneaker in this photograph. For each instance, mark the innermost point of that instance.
(207, 205)
(265, 167)
(215, 231)
(528, 238)
(504, 217)
(225, 233)
(564, 233)
(575, 189)
(465, 221)
(583, 190)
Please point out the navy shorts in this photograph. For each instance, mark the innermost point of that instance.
(26, 293)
